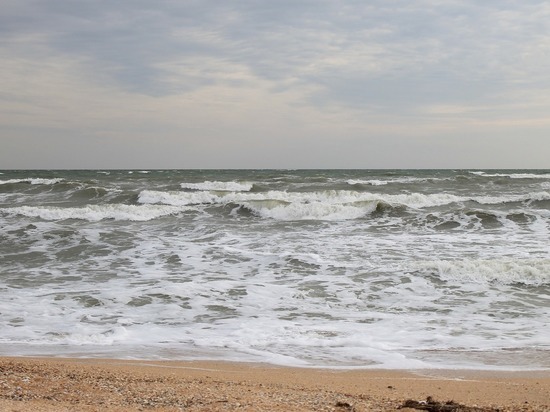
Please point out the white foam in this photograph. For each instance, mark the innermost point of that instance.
(273, 318)
(330, 204)
(85, 336)
(420, 200)
(379, 182)
(32, 181)
(359, 289)
(155, 197)
(514, 175)
(493, 200)
(95, 213)
(219, 186)
(314, 211)
(344, 198)
(372, 182)
(504, 271)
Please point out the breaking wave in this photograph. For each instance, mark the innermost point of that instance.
(514, 175)
(94, 213)
(322, 205)
(32, 181)
(219, 186)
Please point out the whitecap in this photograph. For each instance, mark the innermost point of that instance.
(280, 205)
(219, 186)
(372, 182)
(32, 181)
(153, 197)
(493, 200)
(95, 213)
(514, 175)
(312, 211)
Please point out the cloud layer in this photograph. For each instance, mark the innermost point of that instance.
(274, 84)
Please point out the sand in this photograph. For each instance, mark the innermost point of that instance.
(51, 384)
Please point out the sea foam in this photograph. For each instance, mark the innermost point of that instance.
(95, 212)
(535, 272)
(32, 181)
(219, 186)
(344, 269)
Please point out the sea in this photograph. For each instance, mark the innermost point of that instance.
(385, 269)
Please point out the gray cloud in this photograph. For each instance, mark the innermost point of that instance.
(429, 65)
(312, 42)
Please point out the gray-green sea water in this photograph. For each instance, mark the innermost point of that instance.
(323, 268)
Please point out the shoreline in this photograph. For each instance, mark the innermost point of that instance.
(90, 384)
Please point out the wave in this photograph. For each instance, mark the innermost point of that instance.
(88, 193)
(330, 204)
(154, 197)
(533, 272)
(514, 175)
(311, 211)
(371, 182)
(32, 181)
(219, 186)
(275, 205)
(414, 200)
(94, 213)
(280, 205)
(378, 182)
(529, 197)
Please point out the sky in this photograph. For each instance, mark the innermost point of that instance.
(274, 84)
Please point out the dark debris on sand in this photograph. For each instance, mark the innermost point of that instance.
(432, 405)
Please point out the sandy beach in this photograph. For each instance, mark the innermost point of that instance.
(53, 384)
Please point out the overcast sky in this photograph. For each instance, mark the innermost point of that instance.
(274, 84)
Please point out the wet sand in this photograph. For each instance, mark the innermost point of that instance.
(52, 384)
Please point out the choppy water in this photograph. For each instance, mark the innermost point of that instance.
(391, 269)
